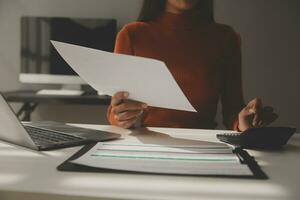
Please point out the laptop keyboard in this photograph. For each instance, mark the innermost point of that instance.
(45, 137)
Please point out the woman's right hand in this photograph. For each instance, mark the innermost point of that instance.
(125, 111)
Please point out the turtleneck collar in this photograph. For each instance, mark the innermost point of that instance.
(186, 20)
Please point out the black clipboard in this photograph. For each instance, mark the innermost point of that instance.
(243, 155)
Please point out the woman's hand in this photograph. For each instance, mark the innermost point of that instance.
(256, 115)
(125, 111)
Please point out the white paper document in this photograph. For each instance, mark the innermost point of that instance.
(146, 80)
(170, 159)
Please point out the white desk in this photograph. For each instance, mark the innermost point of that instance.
(26, 174)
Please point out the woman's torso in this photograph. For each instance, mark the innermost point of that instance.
(194, 54)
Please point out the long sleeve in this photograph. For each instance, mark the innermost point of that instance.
(123, 45)
(204, 59)
(232, 95)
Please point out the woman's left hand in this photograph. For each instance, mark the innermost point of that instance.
(256, 115)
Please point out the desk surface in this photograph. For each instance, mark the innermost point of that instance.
(26, 174)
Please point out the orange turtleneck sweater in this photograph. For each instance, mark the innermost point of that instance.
(205, 60)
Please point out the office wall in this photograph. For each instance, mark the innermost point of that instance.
(270, 33)
(270, 43)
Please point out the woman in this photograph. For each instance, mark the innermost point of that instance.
(205, 59)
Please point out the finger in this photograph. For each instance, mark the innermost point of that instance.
(255, 105)
(128, 115)
(129, 106)
(118, 98)
(256, 120)
(128, 123)
(256, 117)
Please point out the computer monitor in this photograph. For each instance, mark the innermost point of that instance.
(40, 62)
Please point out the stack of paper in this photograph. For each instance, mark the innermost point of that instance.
(215, 159)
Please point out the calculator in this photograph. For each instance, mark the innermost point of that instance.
(264, 137)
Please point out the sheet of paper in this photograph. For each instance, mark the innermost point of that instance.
(186, 160)
(146, 80)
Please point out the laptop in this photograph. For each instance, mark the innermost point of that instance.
(45, 135)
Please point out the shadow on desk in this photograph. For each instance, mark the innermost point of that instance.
(147, 136)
